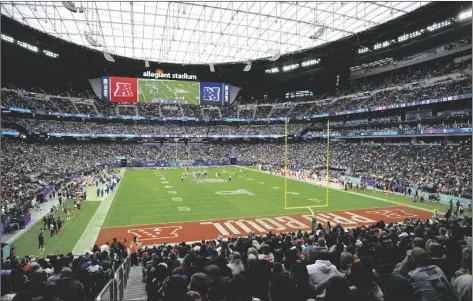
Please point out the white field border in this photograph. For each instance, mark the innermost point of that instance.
(352, 192)
(396, 204)
(92, 230)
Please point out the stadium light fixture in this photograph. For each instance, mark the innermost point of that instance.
(275, 55)
(383, 44)
(50, 53)
(272, 70)
(290, 67)
(92, 41)
(27, 46)
(108, 57)
(71, 6)
(146, 64)
(212, 67)
(411, 35)
(247, 67)
(436, 26)
(310, 62)
(319, 32)
(7, 38)
(362, 50)
(465, 15)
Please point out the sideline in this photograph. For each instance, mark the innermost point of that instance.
(352, 192)
(45, 207)
(91, 232)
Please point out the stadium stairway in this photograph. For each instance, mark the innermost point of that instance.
(135, 289)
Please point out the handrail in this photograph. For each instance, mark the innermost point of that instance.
(116, 286)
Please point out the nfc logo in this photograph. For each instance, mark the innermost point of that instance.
(123, 90)
(211, 93)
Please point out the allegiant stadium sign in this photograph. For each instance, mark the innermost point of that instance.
(156, 75)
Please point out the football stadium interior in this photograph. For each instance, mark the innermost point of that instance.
(236, 151)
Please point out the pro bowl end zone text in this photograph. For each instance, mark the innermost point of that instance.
(208, 230)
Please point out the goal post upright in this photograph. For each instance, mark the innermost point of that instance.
(328, 161)
(285, 162)
(286, 207)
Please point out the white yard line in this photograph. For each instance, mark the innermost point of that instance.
(324, 210)
(351, 192)
(91, 232)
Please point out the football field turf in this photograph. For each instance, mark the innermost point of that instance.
(157, 207)
(151, 90)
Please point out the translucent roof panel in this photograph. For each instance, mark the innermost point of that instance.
(204, 32)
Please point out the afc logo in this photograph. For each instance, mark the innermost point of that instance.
(123, 90)
(211, 93)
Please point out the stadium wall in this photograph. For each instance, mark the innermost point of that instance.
(444, 198)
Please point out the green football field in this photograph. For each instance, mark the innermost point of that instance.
(159, 196)
(153, 90)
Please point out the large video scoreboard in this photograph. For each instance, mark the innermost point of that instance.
(134, 90)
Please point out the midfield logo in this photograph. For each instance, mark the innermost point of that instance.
(211, 93)
(123, 90)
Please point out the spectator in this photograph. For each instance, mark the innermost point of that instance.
(346, 260)
(235, 263)
(57, 273)
(438, 258)
(462, 287)
(337, 289)
(466, 264)
(95, 267)
(322, 268)
(200, 283)
(428, 281)
(299, 276)
(362, 283)
(68, 288)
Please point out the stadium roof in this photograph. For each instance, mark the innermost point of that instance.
(203, 32)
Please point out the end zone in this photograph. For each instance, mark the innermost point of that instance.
(209, 230)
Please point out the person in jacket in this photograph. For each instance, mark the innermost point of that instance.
(362, 283)
(322, 269)
(36, 286)
(68, 288)
(428, 281)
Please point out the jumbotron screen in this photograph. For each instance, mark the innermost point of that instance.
(134, 90)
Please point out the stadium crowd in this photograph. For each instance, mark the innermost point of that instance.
(431, 167)
(376, 94)
(60, 277)
(409, 261)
